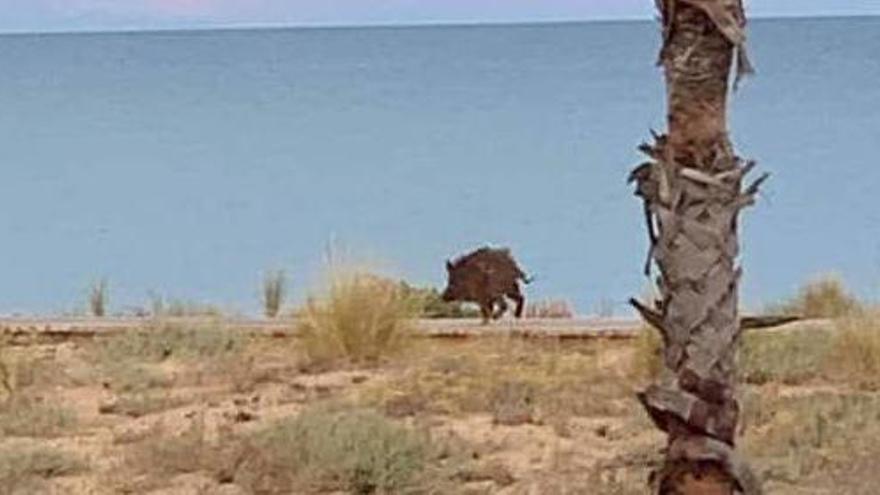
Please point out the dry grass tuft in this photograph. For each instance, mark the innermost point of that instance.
(7, 374)
(551, 309)
(159, 456)
(854, 356)
(787, 358)
(25, 468)
(799, 438)
(647, 357)
(514, 382)
(513, 403)
(24, 416)
(167, 339)
(361, 319)
(274, 291)
(98, 296)
(165, 455)
(822, 297)
(129, 377)
(180, 308)
(848, 353)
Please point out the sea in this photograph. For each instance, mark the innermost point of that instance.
(187, 164)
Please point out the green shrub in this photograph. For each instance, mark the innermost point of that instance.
(326, 449)
(433, 306)
(361, 319)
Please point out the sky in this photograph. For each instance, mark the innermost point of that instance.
(99, 15)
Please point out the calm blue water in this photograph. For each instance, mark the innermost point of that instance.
(187, 163)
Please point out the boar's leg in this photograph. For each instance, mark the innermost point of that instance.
(516, 296)
(502, 308)
(486, 310)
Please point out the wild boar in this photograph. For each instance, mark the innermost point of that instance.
(486, 276)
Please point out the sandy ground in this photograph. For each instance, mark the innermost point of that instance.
(577, 429)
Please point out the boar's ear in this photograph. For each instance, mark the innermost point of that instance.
(448, 266)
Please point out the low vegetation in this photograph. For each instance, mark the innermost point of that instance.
(158, 455)
(137, 404)
(355, 451)
(26, 468)
(604, 308)
(25, 416)
(647, 359)
(179, 308)
(787, 358)
(164, 339)
(817, 440)
(134, 366)
(6, 374)
(361, 319)
(193, 406)
(847, 351)
(326, 448)
(854, 354)
(274, 292)
(514, 382)
(99, 294)
(431, 304)
(823, 297)
(551, 309)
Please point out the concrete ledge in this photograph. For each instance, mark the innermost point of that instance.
(576, 328)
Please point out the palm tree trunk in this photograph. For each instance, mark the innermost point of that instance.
(692, 188)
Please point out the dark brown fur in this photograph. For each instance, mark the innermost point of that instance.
(486, 276)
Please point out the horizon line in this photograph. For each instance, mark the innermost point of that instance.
(389, 25)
